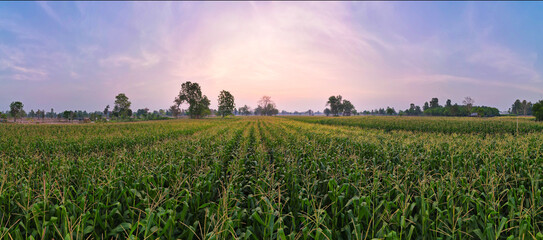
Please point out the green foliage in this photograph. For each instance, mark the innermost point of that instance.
(521, 107)
(198, 103)
(413, 110)
(16, 110)
(3, 117)
(537, 110)
(272, 178)
(226, 103)
(122, 106)
(68, 115)
(339, 106)
(335, 103)
(449, 125)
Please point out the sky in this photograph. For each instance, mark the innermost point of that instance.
(80, 55)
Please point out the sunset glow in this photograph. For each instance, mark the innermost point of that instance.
(79, 55)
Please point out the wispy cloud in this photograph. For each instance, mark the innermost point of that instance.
(51, 13)
(373, 53)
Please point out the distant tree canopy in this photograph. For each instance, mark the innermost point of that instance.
(521, 108)
(16, 110)
(175, 110)
(390, 111)
(339, 106)
(245, 110)
(122, 106)
(68, 115)
(434, 103)
(198, 103)
(413, 110)
(266, 107)
(226, 103)
(537, 110)
(458, 110)
(468, 102)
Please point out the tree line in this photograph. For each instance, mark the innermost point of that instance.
(190, 93)
(338, 106)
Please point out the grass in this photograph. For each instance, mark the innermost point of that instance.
(273, 178)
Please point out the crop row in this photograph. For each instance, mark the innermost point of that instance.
(433, 124)
(266, 178)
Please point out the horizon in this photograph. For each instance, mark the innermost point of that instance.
(80, 55)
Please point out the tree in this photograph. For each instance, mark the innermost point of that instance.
(455, 110)
(266, 106)
(537, 110)
(174, 109)
(69, 115)
(434, 103)
(390, 111)
(526, 107)
(106, 111)
(122, 106)
(226, 103)
(245, 110)
(521, 108)
(468, 101)
(40, 114)
(327, 112)
(258, 110)
(517, 105)
(426, 106)
(192, 94)
(16, 110)
(347, 107)
(418, 111)
(335, 103)
(448, 104)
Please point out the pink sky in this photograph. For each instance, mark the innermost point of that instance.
(376, 54)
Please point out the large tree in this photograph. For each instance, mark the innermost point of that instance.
(336, 105)
(16, 110)
(537, 110)
(226, 103)
(266, 106)
(348, 108)
(122, 106)
(340, 106)
(192, 94)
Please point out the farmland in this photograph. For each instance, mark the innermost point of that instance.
(273, 178)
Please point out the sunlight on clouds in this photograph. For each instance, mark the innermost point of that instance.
(373, 53)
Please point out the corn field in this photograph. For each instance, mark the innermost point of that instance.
(273, 178)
